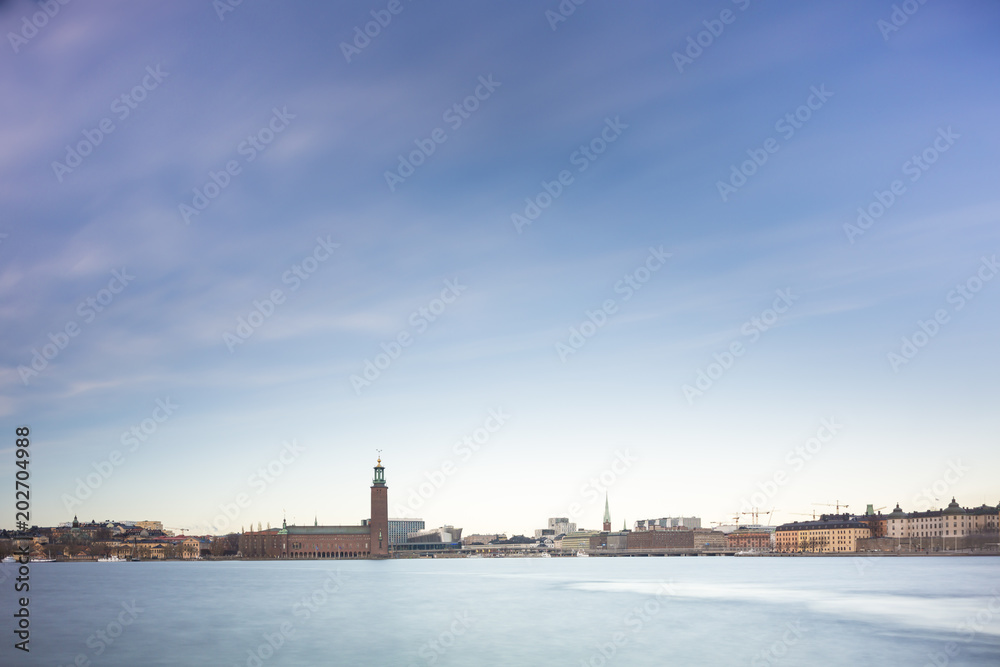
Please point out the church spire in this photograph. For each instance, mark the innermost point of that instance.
(607, 514)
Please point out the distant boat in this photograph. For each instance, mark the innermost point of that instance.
(545, 554)
(582, 554)
(43, 560)
(110, 559)
(8, 559)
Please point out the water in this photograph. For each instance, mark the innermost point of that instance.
(558, 611)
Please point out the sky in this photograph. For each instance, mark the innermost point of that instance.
(697, 257)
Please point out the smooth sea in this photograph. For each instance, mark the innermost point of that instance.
(515, 611)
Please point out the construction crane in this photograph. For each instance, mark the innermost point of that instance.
(836, 505)
(756, 512)
(176, 528)
(813, 515)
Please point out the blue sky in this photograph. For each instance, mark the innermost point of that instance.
(736, 170)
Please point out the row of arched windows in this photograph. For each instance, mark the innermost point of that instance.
(329, 554)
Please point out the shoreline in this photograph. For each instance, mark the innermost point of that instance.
(443, 556)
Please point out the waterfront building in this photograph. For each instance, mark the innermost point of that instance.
(400, 528)
(984, 519)
(614, 541)
(155, 548)
(447, 534)
(518, 545)
(836, 534)
(370, 539)
(673, 538)
(579, 539)
(445, 538)
(713, 540)
(877, 523)
(756, 538)
(618, 541)
(952, 521)
(952, 527)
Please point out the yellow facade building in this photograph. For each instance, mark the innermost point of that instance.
(834, 535)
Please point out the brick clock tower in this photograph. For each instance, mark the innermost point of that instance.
(379, 523)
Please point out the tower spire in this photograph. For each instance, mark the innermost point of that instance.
(607, 514)
(378, 537)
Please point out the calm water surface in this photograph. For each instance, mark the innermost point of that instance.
(558, 611)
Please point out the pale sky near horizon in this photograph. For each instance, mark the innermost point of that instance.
(699, 256)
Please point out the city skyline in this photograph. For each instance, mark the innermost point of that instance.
(230, 514)
(724, 256)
